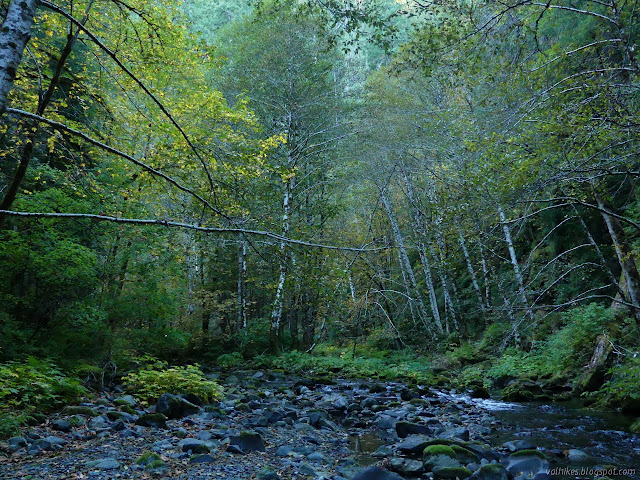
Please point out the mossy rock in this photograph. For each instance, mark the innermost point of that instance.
(451, 473)
(128, 409)
(464, 455)
(147, 458)
(78, 410)
(394, 404)
(531, 452)
(157, 420)
(156, 465)
(635, 427)
(433, 450)
(418, 401)
(242, 407)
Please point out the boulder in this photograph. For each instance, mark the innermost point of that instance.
(376, 473)
(522, 390)
(175, 406)
(406, 467)
(193, 445)
(451, 473)
(526, 462)
(98, 423)
(155, 420)
(61, 425)
(248, 442)
(404, 429)
(413, 445)
(491, 471)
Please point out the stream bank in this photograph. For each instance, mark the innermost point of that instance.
(270, 426)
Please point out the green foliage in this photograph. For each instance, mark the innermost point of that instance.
(33, 387)
(572, 346)
(230, 360)
(36, 385)
(623, 388)
(152, 381)
(330, 360)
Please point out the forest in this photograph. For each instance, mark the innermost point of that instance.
(441, 193)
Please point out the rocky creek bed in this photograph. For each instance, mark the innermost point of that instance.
(269, 427)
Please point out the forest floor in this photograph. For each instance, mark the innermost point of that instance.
(297, 428)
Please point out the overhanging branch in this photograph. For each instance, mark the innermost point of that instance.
(189, 226)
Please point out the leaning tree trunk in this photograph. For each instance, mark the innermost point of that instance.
(404, 259)
(14, 36)
(625, 259)
(472, 273)
(517, 273)
(420, 233)
(32, 127)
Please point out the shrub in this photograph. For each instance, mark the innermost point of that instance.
(149, 383)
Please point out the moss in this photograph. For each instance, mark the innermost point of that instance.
(128, 409)
(635, 427)
(147, 458)
(77, 410)
(463, 454)
(433, 450)
(155, 465)
(492, 468)
(528, 453)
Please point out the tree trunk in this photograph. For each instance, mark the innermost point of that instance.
(276, 314)
(404, 260)
(514, 262)
(14, 36)
(242, 280)
(472, 273)
(625, 259)
(420, 234)
(25, 9)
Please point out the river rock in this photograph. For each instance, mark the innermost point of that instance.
(174, 406)
(194, 445)
(575, 455)
(104, 464)
(451, 473)
(453, 433)
(376, 473)
(248, 442)
(61, 425)
(202, 459)
(518, 445)
(126, 400)
(404, 429)
(525, 463)
(98, 423)
(18, 442)
(157, 420)
(406, 466)
(114, 415)
(413, 445)
(491, 471)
